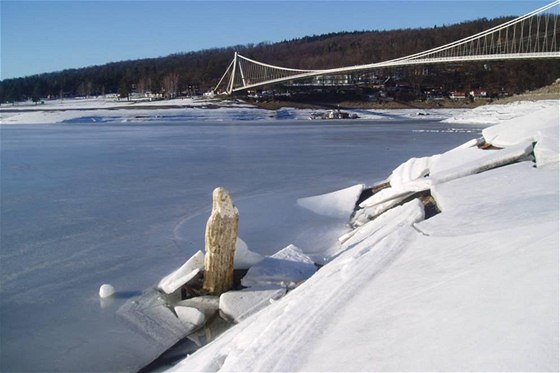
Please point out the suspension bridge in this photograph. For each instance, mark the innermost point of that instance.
(531, 36)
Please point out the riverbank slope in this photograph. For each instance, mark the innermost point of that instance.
(474, 287)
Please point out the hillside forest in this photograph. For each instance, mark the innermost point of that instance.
(196, 72)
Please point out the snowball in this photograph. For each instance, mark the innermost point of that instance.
(106, 291)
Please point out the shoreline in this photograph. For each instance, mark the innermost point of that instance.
(99, 110)
(361, 105)
(267, 105)
(551, 92)
(546, 93)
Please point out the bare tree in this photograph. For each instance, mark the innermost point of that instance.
(170, 85)
(144, 85)
(85, 88)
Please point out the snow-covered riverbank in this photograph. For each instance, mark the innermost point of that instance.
(103, 110)
(473, 288)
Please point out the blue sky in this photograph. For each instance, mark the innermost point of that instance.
(44, 36)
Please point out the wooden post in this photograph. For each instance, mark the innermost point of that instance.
(221, 235)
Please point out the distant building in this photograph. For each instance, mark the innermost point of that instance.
(333, 80)
(457, 95)
(478, 93)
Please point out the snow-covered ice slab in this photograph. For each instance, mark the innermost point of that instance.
(524, 128)
(412, 176)
(412, 169)
(483, 161)
(419, 174)
(386, 195)
(170, 283)
(454, 158)
(469, 144)
(368, 213)
(338, 204)
(191, 317)
(494, 114)
(207, 304)
(245, 258)
(547, 151)
(238, 305)
(405, 215)
(495, 199)
(157, 327)
(286, 268)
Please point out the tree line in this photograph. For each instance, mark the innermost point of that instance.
(195, 72)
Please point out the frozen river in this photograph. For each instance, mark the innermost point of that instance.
(83, 205)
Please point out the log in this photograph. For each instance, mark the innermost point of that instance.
(220, 238)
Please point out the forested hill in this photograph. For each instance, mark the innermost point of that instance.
(198, 71)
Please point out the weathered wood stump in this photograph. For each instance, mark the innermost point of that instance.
(221, 235)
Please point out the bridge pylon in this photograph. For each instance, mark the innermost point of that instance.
(243, 73)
